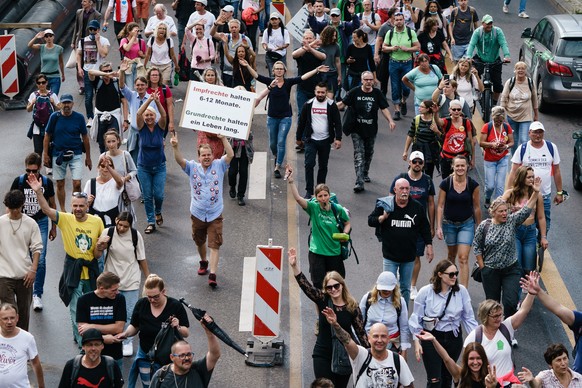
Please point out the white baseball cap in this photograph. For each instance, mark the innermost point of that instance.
(386, 281)
(416, 155)
(536, 125)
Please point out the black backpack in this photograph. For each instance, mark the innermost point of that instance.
(42, 109)
(111, 232)
(109, 365)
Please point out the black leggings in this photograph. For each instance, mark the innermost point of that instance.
(437, 375)
(240, 167)
(37, 142)
(322, 368)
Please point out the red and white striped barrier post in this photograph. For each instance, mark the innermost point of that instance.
(8, 68)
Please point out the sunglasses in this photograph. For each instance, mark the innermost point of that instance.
(496, 316)
(333, 287)
(48, 35)
(418, 161)
(79, 194)
(41, 82)
(106, 165)
(29, 171)
(455, 109)
(451, 274)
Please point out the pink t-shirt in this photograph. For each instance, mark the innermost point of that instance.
(134, 49)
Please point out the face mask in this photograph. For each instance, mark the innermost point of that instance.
(432, 13)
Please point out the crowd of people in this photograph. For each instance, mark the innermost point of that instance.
(349, 54)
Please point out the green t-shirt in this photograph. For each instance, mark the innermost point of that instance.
(323, 226)
(401, 39)
(50, 60)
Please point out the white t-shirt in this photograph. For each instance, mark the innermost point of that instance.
(208, 19)
(276, 39)
(124, 9)
(498, 350)
(91, 57)
(107, 196)
(319, 120)
(371, 33)
(15, 352)
(542, 162)
(160, 52)
(35, 128)
(122, 261)
(380, 374)
(154, 21)
(466, 89)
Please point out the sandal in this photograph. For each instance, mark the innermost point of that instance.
(150, 229)
(159, 219)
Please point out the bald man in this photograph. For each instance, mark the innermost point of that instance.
(377, 366)
(399, 231)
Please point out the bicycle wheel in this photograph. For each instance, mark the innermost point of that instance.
(486, 105)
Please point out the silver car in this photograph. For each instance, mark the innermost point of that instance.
(553, 54)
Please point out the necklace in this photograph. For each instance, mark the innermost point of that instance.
(176, 381)
(17, 229)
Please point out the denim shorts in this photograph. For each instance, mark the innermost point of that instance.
(76, 165)
(459, 233)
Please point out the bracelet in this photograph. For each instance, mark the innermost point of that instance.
(269, 87)
(560, 192)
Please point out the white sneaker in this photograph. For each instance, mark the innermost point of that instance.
(37, 303)
(505, 9)
(523, 15)
(413, 293)
(127, 349)
(514, 343)
(89, 123)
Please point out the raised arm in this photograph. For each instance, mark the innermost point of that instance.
(36, 186)
(344, 337)
(452, 367)
(291, 180)
(177, 154)
(531, 284)
(227, 148)
(213, 353)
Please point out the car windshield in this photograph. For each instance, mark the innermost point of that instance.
(571, 47)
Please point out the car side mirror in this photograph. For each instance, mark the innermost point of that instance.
(526, 33)
(577, 135)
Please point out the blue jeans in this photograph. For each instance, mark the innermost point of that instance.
(131, 298)
(83, 288)
(301, 98)
(54, 84)
(141, 365)
(495, 173)
(405, 275)
(43, 225)
(547, 211)
(264, 17)
(130, 77)
(153, 183)
(526, 240)
(88, 95)
(459, 233)
(278, 130)
(181, 31)
(522, 4)
(520, 132)
(397, 71)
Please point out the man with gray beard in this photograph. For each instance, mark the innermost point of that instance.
(399, 231)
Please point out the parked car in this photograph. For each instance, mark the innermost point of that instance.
(577, 162)
(553, 54)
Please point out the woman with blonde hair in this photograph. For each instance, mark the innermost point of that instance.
(133, 48)
(335, 295)
(150, 312)
(468, 81)
(161, 53)
(384, 304)
(520, 100)
(104, 191)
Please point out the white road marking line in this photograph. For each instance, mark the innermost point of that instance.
(258, 176)
(247, 295)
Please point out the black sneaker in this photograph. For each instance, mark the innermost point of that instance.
(487, 203)
(241, 201)
(308, 195)
(212, 280)
(358, 188)
(396, 116)
(232, 192)
(367, 179)
(403, 108)
(277, 173)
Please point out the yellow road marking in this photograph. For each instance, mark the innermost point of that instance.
(556, 287)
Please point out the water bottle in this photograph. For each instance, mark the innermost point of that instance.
(176, 79)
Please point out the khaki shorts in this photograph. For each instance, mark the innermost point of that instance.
(165, 71)
(212, 229)
(143, 9)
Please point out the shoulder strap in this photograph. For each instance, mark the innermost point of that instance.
(21, 182)
(505, 331)
(367, 308)
(365, 365)
(76, 368)
(489, 129)
(151, 40)
(134, 241)
(109, 364)
(447, 125)
(164, 91)
(169, 47)
(398, 311)
(486, 226)
(110, 233)
(550, 147)
(390, 35)
(334, 210)
(409, 32)
(479, 334)
(396, 358)
(446, 304)
(162, 375)
(522, 151)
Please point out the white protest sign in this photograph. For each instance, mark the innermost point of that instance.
(296, 26)
(218, 109)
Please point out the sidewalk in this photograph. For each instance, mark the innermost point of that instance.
(568, 6)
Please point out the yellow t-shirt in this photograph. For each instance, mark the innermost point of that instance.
(79, 238)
